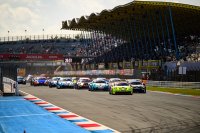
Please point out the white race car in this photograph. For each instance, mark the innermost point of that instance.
(53, 81)
(65, 83)
(137, 85)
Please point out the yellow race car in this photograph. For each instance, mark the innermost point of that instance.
(121, 87)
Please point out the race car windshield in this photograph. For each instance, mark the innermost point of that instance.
(136, 83)
(85, 80)
(41, 79)
(66, 80)
(55, 78)
(122, 84)
(114, 80)
(100, 81)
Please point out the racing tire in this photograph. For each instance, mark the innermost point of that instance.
(131, 93)
(58, 87)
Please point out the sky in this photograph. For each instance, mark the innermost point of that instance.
(37, 17)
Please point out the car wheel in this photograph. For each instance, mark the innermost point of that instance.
(58, 87)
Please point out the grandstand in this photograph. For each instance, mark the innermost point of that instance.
(55, 45)
(140, 31)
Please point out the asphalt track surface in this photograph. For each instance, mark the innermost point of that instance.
(150, 112)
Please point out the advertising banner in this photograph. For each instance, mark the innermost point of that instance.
(114, 66)
(31, 56)
(101, 66)
(21, 71)
(96, 72)
(127, 65)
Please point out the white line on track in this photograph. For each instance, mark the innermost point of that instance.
(26, 115)
(12, 100)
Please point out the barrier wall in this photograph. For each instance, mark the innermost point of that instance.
(128, 72)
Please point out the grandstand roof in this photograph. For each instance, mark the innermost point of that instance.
(184, 15)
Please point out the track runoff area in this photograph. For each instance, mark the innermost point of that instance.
(155, 112)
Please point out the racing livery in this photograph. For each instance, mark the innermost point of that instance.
(40, 81)
(65, 83)
(53, 82)
(137, 85)
(121, 87)
(83, 83)
(98, 85)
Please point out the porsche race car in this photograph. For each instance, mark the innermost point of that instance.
(98, 85)
(137, 85)
(64, 83)
(40, 81)
(53, 82)
(121, 87)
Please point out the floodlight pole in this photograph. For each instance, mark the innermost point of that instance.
(8, 34)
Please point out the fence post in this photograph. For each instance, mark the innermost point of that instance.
(16, 89)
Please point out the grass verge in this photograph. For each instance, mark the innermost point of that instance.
(194, 92)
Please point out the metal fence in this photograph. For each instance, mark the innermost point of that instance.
(37, 37)
(174, 84)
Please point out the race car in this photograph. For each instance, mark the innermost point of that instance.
(53, 81)
(98, 85)
(121, 87)
(40, 81)
(137, 85)
(64, 83)
(83, 83)
(21, 80)
(113, 80)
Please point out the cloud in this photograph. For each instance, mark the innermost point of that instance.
(86, 7)
(34, 15)
(16, 19)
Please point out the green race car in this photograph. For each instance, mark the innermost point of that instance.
(121, 87)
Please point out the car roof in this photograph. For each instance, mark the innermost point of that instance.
(134, 80)
(20, 77)
(114, 78)
(84, 78)
(120, 82)
(65, 78)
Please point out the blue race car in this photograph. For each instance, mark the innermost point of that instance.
(98, 85)
(40, 81)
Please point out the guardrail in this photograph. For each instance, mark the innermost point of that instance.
(10, 86)
(174, 84)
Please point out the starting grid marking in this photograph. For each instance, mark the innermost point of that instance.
(82, 122)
